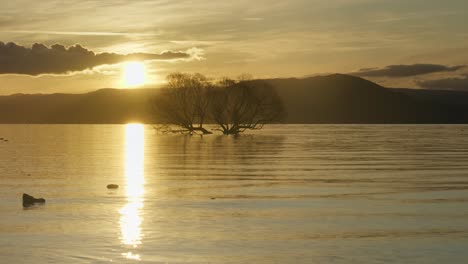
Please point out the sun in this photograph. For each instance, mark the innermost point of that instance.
(134, 74)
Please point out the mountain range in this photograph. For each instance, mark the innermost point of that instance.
(336, 98)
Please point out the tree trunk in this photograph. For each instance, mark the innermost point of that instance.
(201, 129)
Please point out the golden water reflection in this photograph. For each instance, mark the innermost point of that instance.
(130, 215)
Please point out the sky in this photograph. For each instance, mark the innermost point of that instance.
(51, 46)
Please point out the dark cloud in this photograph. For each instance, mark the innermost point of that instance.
(446, 84)
(58, 59)
(406, 70)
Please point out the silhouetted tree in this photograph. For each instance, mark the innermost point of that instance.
(241, 105)
(185, 102)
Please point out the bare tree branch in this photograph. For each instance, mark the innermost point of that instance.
(185, 102)
(238, 106)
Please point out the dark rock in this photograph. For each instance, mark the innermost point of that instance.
(112, 186)
(28, 200)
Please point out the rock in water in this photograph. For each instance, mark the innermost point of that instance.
(112, 186)
(28, 200)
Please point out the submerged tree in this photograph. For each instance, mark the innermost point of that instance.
(185, 102)
(191, 100)
(237, 106)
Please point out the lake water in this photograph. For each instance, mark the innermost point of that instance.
(285, 194)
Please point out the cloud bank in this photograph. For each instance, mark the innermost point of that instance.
(446, 84)
(399, 71)
(58, 59)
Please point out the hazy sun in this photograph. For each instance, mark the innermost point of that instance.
(134, 74)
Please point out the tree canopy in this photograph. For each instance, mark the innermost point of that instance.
(191, 100)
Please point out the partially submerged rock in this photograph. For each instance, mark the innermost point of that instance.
(28, 200)
(112, 186)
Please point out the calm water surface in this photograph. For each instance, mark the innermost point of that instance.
(286, 194)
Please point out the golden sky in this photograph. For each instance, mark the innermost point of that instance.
(398, 43)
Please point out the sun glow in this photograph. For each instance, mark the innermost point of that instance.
(134, 74)
(131, 218)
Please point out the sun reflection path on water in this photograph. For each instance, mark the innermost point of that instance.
(130, 214)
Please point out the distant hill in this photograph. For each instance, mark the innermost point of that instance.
(105, 106)
(340, 98)
(334, 98)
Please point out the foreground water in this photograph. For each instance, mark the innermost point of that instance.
(286, 194)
